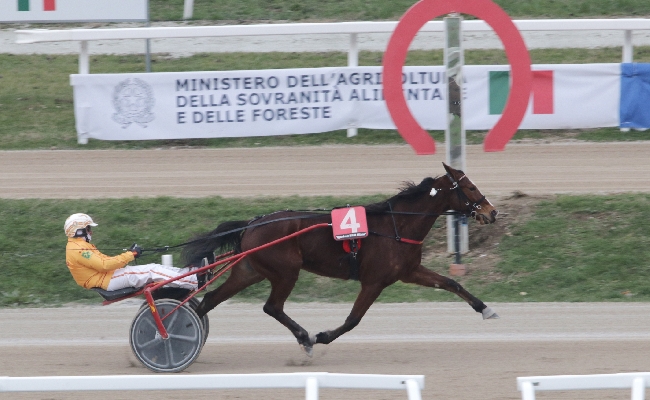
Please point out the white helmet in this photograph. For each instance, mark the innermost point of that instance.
(77, 221)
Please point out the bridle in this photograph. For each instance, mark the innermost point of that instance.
(472, 208)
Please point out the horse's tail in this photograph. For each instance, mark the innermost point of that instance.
(227, 236)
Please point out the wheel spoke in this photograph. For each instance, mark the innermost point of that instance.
(145, 345)
(171, 320)
(169, 352)
(185, 338)
(150, 322)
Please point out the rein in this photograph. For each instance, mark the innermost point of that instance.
(165, 248)
(470, 211)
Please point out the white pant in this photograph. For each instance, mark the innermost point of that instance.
(140, 275)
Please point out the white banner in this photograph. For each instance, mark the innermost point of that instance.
(577, 96)
(295, 101)
(73, 10)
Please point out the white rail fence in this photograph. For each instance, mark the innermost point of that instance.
(625, 25)
(636, 381)
(310, 381)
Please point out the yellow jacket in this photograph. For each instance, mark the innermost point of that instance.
(89, 267)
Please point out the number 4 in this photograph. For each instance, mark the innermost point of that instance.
(350, 221)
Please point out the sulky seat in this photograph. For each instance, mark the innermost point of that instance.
(115, 294)
(164, 292)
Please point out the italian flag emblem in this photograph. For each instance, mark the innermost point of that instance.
(542, 91)
(48, 5)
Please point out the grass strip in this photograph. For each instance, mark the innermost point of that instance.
(577, 248)
(573, 248)
(360, 10)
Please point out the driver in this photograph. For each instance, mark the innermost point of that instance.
(90, 268)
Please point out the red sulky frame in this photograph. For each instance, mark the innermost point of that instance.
(226, 260)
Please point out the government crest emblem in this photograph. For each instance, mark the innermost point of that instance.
(133, 101)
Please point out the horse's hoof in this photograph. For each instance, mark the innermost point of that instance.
(309, 350)
(489, 314)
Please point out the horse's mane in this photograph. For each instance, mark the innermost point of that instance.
(408, 191)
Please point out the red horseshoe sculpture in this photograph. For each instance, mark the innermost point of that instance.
(409, 25)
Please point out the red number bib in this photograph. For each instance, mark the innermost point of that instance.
(349, 223)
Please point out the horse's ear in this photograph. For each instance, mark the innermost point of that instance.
(447, 168)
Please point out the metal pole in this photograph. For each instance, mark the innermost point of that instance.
(457, 238)
(455, 131)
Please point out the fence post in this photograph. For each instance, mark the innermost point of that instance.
(84, 63)
(311, 389)
(638, 389)
(84, 69)
(188, 9)
(628, 49)
(628, 55)
(527, 391)
(413, 390)
(353, 61)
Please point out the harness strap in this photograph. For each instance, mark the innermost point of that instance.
(352, 248)
(397, 238)
(410, 241)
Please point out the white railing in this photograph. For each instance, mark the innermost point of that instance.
(310, 381)
(636, 381)
(626, 25)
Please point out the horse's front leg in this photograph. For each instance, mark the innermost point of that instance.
(424, 277)
(366, 297)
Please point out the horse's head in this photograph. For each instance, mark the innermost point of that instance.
(466, 197)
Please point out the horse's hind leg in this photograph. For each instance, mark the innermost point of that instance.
(280, 291)
(424, 277)
(366, 297)
(241, 276)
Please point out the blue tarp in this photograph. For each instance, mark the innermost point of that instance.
(635, 95)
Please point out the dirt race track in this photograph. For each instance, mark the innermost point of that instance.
(565, 167)
(461, 356)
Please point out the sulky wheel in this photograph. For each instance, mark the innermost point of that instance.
(192, 303)
(179, 350)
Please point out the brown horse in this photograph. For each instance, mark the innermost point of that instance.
(391, 252)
